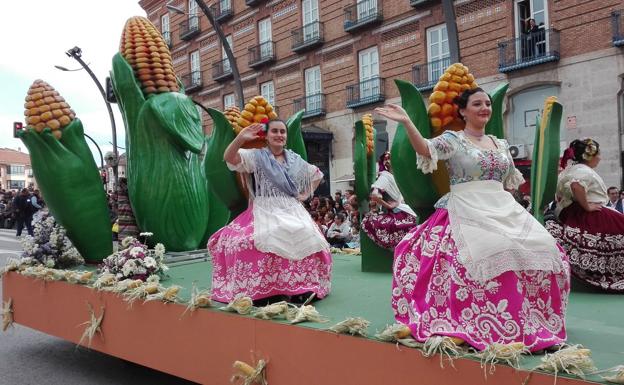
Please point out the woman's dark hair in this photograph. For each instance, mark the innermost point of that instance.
(462, 99)
(340, 216)
(276, 120)
(580, 148)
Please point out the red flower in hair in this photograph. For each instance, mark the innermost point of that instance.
(265, 122)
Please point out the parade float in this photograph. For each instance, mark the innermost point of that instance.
(154, 309)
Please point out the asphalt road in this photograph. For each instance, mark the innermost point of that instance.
(30, 357)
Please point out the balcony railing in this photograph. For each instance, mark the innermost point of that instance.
(221, 70)
(189, 28)
(420, 3)
(366, 92)
(363, 13)
(425, 76)
(528, 50)
(314, 105)
(192, 81)
(167, 38)
(251, 3)
(222, 10)
(261, 54)
(307, 37)
(618, 32)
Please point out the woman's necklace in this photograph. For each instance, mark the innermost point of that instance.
(478, 135)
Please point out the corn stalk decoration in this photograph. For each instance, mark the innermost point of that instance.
(164, 139)
(546, 152)
(66, 172)
(421, 191)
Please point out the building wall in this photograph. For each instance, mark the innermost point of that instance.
(587, 77)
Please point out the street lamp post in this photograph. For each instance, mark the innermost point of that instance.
(238, 86)
(76, 53)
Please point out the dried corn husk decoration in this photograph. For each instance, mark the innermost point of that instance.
(169, 294)
(271, 311)
(123, 285)
(7, 314)
(241, 305)
(104, 280)
(141, 292)
(400, 334)
(352, 325)
(249, 374)
(571, 359)
(54, 275)
(367, 120)
(305, 313)
(44, 107)
(199, 299)
(442, 109)
(444, 346)
(11, 265)
(93, 325)
(495, 353)
(34, 271)
(82, 277)
(617, 377)
(145, 50)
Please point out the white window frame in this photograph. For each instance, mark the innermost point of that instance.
(228, 101)
(226, 63)
(368, 69)
(313, 88)
(224, 4)
(267, 90)
(309, 20)
(265, 37)
(165, 28)
(193, 11)
(434, 71)
(365, 9)
(195, 61)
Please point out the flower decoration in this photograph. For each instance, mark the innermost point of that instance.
(49, 245)
(135, 260)
(590, 149)
(263, 132)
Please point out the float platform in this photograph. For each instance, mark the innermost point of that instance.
(201, 346)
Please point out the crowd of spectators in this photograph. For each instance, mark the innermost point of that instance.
(18, 207)
(337, 218)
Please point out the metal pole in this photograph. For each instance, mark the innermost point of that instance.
(238, 86)
(76, 53)
(451, 29)
(98, 148)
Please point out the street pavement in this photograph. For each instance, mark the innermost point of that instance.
(31, 357)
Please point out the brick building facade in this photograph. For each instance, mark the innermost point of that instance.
(338, 60)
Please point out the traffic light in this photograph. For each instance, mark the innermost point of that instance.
(17, 127)
(110, 95)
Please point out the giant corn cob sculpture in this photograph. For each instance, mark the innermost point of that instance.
(225, 184)
(420, 190)
(66, 172)
(374, 258)
(545, 157)
(164, 138)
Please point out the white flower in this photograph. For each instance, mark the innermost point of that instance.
(49, 262)
(159, 250)
(146, 234)
(154, 278)
(126, 241)
(135, 251)
(164, 267)
(128, 268)
(149, 262)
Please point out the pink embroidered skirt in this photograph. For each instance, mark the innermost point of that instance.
(595, 243)
(432, 293)
(238, 268)
(387, 229)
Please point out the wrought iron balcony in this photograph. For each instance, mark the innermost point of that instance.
(363, 13)
(189, 28)
(192, 81)
(420, 3)
(425, 76)
(251, 3)
(307, 37)
(261, 54)
(314, 105)
(528, 50)
(618, 32)
(366, 92)
(222, 11)
(167, 38)
(221, 70)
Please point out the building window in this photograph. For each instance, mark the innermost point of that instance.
(200, 111)
(228, 101)
(164, 28)
(192, 14)
(226, 63)
(368, 60)
(437, 51)
(225, 5)
(15, 170)
(310, 14)
(195, 68)
(16, 184)
(265, 38)
(313, 89)
(268, 92)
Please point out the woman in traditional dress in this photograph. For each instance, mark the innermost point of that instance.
(591, 233)
(127, 226)
(480, 269)
(388, 227)
(273, 248)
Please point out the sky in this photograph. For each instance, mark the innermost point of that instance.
(36, 35)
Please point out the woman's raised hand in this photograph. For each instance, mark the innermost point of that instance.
(251, 132)
(393, 112)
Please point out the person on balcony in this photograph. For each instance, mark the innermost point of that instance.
(535, 40)
(591, 233)
(480, 270)
(387, 227)
(274, 248)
